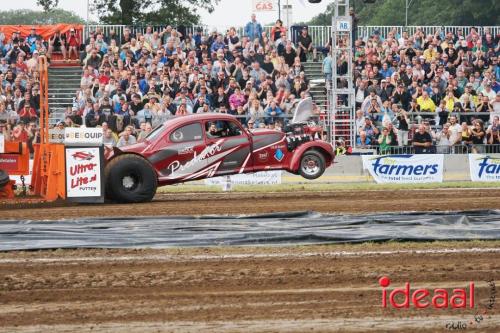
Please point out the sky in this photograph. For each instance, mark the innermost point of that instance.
(227, 13)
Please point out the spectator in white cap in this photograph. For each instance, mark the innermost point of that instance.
(32, 63)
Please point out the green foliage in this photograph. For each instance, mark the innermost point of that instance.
(47, 5)
(422, 12)
(154, 12)
(28, 16)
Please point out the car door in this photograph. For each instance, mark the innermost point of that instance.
(183, 155)
(229, 147)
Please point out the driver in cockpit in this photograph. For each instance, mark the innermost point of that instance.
(213, 132)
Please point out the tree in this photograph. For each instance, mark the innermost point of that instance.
(29, 17)
(422, 12)
(47, 5)
(154, 12)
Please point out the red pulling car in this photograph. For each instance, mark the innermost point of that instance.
(207, 145)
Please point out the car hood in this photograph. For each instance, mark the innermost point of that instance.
(265, 137)
(267, 132)
(139, 147)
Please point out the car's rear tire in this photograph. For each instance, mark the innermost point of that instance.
(4, 178)
(312, 164)
(130, 179)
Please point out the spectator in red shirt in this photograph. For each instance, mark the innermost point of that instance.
(104, 76)
(277, 30)
(27, 113)
(73, 44)
(19, 133)
(21, 65)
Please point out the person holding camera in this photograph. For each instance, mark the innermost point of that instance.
(403, 124)
(384, 141)
(368, 132)
(443, 142)
(493, 135)
(477, 136)
(57, 43)
(73, 44)
(14, 53)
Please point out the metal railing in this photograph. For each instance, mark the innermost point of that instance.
(420, 116)
(435, 149)
(319, 34)
(366, 31)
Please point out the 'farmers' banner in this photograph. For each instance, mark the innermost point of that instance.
(405, 168)
(484, 168)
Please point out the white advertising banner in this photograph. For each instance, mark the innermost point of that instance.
(2, 144)
(484, 168)
(258, 178)
(264, 5)
(83, 172)
(405, 168)
(56, 135)
(83, 135)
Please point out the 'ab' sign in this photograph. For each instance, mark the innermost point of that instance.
(343, 26)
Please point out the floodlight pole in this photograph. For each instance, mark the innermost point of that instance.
(407, 6)
(88, 10)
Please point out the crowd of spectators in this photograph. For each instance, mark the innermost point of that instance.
(20, 85)
(430, 91)
(133, 82)
(444, 85)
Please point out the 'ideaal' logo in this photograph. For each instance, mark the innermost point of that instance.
(439, 298)
(489, 168)
(390, 167)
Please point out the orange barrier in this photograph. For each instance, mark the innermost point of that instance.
(48, 177)
(16, 158)
(15, 161)
(45, 31)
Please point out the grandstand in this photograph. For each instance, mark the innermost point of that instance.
(444, 78)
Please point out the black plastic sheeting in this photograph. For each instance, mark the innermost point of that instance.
(270, 229)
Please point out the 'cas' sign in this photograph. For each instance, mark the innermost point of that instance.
(264, 5)
(405, 168)
(484, 168)
(84, 176)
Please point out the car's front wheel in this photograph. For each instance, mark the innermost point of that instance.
(312, 164)
(130, 179)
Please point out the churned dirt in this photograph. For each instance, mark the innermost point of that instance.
(252, 289)
(328, 288)
(359, 201)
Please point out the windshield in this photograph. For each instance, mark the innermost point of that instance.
(154, 133)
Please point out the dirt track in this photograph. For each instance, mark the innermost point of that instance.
(251, 203)
(253, 289)
(303, 289)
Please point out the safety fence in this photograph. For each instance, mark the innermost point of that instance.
(319, 34)
(434, 149)
(434, 118)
